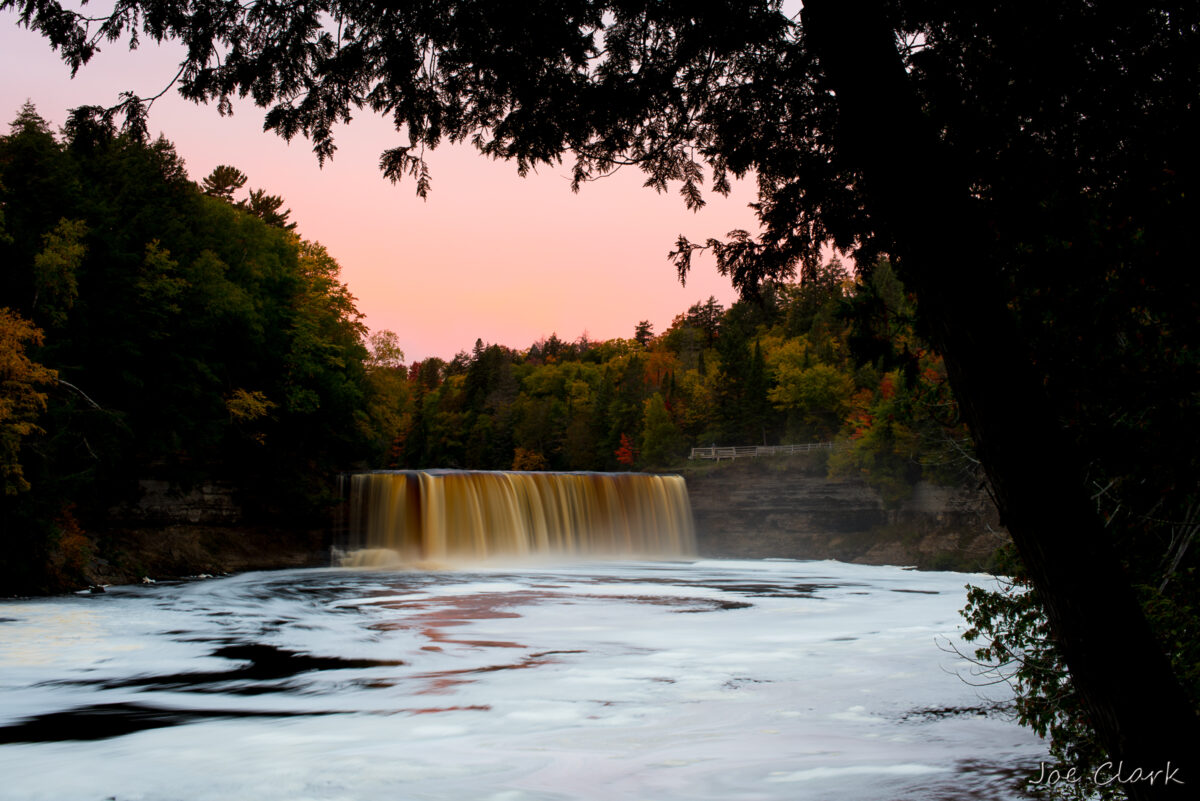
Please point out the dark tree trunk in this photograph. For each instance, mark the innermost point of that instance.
(941, 249)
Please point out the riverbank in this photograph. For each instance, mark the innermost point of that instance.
(129, 555)
(169, 534)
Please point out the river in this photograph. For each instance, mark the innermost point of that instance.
(662, 681)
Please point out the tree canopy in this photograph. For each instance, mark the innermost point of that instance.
(150, 331)
(1031, 172)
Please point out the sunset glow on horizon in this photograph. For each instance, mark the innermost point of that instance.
(489, 255)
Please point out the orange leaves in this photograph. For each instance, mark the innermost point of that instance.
(859, 417)
(660, 363)
(527, 459)
(22, 401)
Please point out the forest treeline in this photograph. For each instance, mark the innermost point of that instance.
(154, 327)
(825, 359)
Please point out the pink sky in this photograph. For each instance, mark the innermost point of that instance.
(489, 255)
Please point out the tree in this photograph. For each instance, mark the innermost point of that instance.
(625, 453)
(817, 393)
(823, 286)
(1062, 540)
(528, 460)
(741, 387)
(707, 317)
(23, 400)
(644, 333)
(756, 408)
(267, 208)
(1056, 170)
(386, 353)
(54, 270)
(660, 436)
(45, 179)
(223, 181)
(661, 364)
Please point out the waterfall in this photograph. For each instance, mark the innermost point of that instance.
(439, 515)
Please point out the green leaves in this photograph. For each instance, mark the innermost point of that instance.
(1014, 645)
(661, 439)
(54, 270)
(191, 330)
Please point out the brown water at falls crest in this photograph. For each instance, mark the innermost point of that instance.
(418, 515)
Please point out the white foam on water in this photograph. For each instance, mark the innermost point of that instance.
(719, 681)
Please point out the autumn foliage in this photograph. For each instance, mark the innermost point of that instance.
(625, 453)
(23, 398)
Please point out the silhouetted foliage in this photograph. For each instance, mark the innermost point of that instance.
(223, 181)
(267, 208)
(644, 333)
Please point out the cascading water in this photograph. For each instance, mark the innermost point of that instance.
(436, 515)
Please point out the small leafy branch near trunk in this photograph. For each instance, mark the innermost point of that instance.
(1015, 646)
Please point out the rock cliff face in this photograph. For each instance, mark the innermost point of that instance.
(749, 509)
(207, 504)
(168, 533)
(780, 507)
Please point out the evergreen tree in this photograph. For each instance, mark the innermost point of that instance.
(267, 208)
(644, 333)
(223, 181)
(756, 409)
(707, 317)
(732, 382)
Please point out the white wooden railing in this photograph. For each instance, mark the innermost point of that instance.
(742, 451)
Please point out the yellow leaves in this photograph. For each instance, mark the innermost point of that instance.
(791, 353)
(21, 403)
(524, 459)
(70, 552)
(54, 268)
(574, 380)
(385, 352)
(694, 399)
(245, 405)
(771, 341)
(579, 394)
(815, 389)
